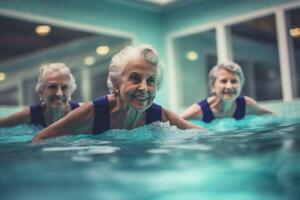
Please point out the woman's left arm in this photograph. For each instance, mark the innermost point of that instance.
(176, 120)
(252, 107)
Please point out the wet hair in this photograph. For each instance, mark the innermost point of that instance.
(53, 67)
(228, 66)
(121, 59)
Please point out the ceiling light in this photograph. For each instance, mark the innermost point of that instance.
(192, 55)
(102, 50)
(160, 2)
(295, 32)
(89, 60)
(2, 76)
(42, 30)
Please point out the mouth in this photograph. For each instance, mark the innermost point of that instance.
(58, 98)
(230, 92)
(142, 98)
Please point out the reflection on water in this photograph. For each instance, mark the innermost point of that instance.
(256, 158)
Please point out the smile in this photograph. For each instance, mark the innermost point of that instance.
(141, 98)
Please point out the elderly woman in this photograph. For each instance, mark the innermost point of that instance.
(55, 87)
(134, 76)
(225, 82)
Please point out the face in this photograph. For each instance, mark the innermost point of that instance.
(55, 90)
(227, 85)
(137, 87)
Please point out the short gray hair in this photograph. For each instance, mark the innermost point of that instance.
(62, 68)
(228, 66)
(121, 59)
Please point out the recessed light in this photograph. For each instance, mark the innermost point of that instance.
(102, 50)
(192, 55)
(42, 30)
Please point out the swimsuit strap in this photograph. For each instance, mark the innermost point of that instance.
(153, 114)
(36, 114)
(240, 108)
(208, 116)
(101, 112)
(74, 104)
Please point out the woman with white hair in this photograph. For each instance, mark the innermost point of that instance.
(225, 83)
(55, 87)
(134, 76)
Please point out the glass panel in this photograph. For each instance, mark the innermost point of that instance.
(30, 96)
(293, 18)
(9, 96)
(254, 45)
(193, 55)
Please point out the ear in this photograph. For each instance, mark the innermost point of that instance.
(115, 82)
(212, 89)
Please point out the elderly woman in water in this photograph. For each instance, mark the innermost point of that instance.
(55, 87)
(225, 82)
(134, 76)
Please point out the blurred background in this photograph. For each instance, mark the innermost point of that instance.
(192, 36)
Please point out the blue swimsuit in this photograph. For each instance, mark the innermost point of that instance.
(36, 113)
(102, 120)
(239, 113)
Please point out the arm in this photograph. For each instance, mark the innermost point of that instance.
(253, 108)
(16, 118)
(192, 112)
(78, 121)
(176, 120)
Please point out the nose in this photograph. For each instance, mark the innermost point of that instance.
(59, 92)
(228, 84)
(143, 85)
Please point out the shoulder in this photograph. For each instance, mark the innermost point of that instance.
(250, 101)
(166, 114)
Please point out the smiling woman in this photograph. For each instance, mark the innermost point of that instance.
(133, 78)
(55, 87)
(225, 83)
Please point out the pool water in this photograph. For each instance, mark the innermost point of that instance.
(255, 158)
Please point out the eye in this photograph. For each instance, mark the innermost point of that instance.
(64, 87)
(136, 78)
(234, 81)
(151, 81)
(224, 81)
(52, 87)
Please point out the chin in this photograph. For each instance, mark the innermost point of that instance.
(229, 97)
(57, 105)
(140, 106)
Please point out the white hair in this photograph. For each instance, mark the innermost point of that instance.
(121, 59)
(228, 66)
(53, 67)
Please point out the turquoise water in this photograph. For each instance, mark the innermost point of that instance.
(255, 158)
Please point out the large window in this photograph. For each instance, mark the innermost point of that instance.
(293, 18)
(194, 55)
(254, 46)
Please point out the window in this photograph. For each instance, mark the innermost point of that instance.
(293, 19)
(193, 54)
(254, 45)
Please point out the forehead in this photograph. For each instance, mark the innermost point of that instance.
(220, 73)
(139, 65)
(56, 76)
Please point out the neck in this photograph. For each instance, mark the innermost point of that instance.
(120, 111)
(223, 107)
(53, 114)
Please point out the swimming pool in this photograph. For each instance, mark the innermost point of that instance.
(256, 158)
